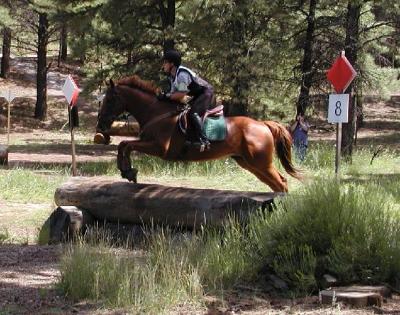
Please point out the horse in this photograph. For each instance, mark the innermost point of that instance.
(249, 142)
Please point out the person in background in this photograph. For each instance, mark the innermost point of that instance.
(299, 130)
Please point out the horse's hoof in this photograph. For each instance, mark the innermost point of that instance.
(130, 175)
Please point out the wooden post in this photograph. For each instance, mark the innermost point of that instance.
(338, 140)
(8, 117)
(71, 128)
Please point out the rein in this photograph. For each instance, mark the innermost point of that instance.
(159, 117)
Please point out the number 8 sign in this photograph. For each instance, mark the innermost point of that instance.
(338, 111)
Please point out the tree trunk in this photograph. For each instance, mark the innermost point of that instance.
(5, 59)
(351, 48)
(63, 43)
(306, 67)
(124, 202)
(167, 14)
(41, 79)
(241, 76)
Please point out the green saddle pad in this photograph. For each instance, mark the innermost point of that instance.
(215, 128)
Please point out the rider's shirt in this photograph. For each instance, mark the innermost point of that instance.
(182, 80)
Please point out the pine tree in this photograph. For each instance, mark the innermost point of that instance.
(6, 23)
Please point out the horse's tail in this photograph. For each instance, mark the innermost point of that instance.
(283, 145)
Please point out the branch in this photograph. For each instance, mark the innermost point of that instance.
(371, 27)
(374, 39)
(49, 66)
(378, 151)
(163, 13)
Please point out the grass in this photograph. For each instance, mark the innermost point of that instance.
(5, 236)
(117, 279)
(26, 186)
(327, 227)
(348, 229)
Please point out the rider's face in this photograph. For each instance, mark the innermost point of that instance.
(167, 67)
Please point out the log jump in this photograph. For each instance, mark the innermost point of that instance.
(118, 201)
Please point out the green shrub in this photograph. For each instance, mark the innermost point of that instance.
(353, 231)
(5, 237)
(296, 266)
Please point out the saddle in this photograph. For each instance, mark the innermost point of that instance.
(214, 125)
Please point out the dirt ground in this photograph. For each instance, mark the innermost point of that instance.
(28, 272)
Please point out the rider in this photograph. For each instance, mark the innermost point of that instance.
(184, 81)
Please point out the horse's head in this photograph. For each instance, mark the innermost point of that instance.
(110, 109)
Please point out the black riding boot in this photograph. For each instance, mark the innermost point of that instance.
(198, 126)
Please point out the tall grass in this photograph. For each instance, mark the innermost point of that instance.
(118, 278)
(348, 230)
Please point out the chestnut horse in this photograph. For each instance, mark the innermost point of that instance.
(249, 142)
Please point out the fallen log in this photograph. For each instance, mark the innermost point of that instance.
(118, 128)
(125, 202)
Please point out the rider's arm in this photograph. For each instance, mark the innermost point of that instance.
(180, 90)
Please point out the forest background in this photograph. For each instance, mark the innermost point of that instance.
(266, 59)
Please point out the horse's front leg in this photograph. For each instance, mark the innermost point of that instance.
(125, 149)
(124, 163)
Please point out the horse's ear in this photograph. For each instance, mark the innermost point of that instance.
(112, 85)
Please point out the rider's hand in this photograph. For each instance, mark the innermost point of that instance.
(186, 99)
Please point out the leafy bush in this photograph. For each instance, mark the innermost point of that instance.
(352, 230)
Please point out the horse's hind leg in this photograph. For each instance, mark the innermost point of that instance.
(268, 175)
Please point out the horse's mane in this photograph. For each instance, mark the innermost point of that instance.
(136, 82)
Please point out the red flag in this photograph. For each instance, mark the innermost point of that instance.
(341, 74)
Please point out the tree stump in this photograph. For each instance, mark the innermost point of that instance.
(3, 154)
(359, 296)
(120, 201)
(64, 223)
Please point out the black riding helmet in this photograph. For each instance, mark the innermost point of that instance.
(173, 56)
